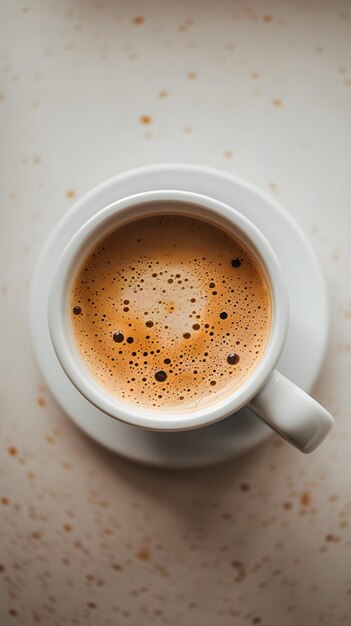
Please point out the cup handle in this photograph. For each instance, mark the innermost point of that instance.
(292, 413)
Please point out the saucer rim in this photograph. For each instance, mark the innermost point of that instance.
(183, 169)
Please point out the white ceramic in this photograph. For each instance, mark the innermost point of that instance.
(237, 433)
(133, 207)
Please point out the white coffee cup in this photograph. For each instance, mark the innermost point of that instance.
(278, 401)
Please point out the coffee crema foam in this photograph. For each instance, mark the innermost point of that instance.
(170, 312)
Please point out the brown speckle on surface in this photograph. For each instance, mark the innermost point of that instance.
(25, 9)
(145, 119)
(287, 506)
(4, 501)
(255, 75)
(36, 535)
(244, 487)
(70, 194)
(342, 70)
(272, 186)
(138, 20)
(331, 538)
(12, 451)
(2, 97)
(67, 528)
(143, 554)
(192, 76)
(187, 130)
(240, 571)
(163, 94)
(41, 402)
(91, 605)
(319, 50)
(228, 154)
(277, 103)
(267, 19)
(305, 498)
(36, 160)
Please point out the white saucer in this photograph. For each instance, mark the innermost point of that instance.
(302, 355)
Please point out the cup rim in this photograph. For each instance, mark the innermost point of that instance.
(98, 226)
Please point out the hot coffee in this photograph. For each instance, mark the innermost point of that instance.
(170, 312)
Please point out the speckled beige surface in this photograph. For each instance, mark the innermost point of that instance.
(89, 89)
